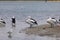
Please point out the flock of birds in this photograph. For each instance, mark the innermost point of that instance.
(31, 22)
(52, 21)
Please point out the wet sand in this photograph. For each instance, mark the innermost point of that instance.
(43, 30)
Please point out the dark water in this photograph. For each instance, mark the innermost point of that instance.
(38, 10)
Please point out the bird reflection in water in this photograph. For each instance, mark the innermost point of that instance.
(10, 33)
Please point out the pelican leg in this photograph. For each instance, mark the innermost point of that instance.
(13, 25)
(30, 25)
(52, 25)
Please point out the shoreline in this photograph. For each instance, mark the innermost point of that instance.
(43, 30)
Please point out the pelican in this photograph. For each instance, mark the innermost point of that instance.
(51, 21)
(2, 21)
(31, 21)
(13, 21)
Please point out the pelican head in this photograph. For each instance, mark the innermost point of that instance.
(53, 18)
(13, 17)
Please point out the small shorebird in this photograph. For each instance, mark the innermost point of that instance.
(31, 21)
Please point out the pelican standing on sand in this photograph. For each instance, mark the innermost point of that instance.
(31, 21)
(51, 21)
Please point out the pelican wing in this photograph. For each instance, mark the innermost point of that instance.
(34, 21)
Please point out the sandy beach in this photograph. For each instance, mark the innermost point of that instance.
(43, 30)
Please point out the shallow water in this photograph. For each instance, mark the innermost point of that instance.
(38, 10)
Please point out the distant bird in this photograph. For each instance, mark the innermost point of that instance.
(13, 20)
(51, 21)
(2, 21)
(31, 21)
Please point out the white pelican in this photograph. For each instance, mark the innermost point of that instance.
(31, 21)
(51, 21)
(2, 21)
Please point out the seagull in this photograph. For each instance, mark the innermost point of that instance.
(31, 21)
